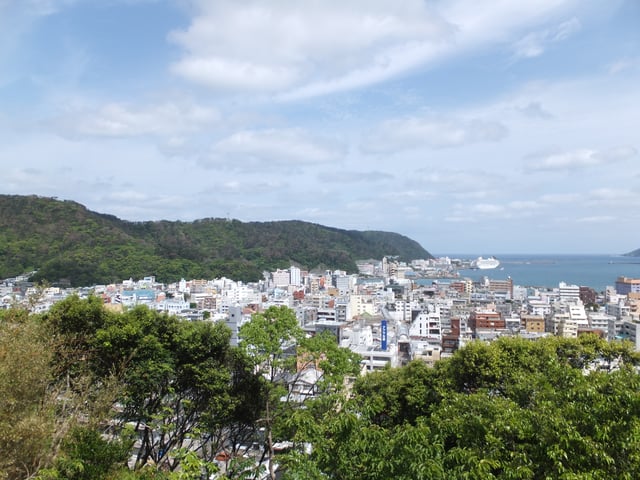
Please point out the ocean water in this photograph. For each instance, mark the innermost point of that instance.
(595, 271)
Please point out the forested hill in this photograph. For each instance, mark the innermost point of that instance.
(635, 253)
(64, 240)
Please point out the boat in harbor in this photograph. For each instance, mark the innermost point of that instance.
(485, 263)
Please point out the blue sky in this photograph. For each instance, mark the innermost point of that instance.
(489, 127)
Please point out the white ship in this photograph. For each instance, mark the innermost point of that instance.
(485, 263)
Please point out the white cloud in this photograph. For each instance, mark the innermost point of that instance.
(510, 210)
(265, 149)
(623, 65)
(457, 179)
(401, 196)
(296, 50)
(560, 198)
(597, 219)
(535, 43)
(120, 120)
(281, 44)
(524, 205)
(432, 131)
(355, 176)
(581, 158)
(256, 185)
(34, 7)
(487, 209)
(468, 184)
(613, 196)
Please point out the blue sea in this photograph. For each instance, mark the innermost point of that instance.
(595, 271)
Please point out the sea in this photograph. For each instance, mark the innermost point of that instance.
(548, 270)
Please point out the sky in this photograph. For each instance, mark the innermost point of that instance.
(488, 127)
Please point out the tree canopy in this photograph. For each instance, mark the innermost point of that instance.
(64, 241)
(512, 409)
(90, 394)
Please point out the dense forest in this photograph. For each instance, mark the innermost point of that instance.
(64, 241)
(87, 393)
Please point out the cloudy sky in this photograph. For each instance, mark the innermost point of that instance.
(486, 127)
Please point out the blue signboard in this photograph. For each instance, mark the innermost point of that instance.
(383, 339)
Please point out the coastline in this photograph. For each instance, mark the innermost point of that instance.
(547, 270)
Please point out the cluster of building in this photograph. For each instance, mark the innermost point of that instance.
(389, 313)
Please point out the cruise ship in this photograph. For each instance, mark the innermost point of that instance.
(485, 263)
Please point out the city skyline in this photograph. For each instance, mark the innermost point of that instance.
(504, 130)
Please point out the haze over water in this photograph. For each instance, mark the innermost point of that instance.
(548, 270)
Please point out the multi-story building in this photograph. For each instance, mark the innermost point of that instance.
(625, 285)
(599, 320)
(533, 323)
(568, 292)
(633, 300)
(618, 309)
(485, 320)
(504, 287)
(631, 331)
(538, 307)
(561, 324)
(578, 315)
(343, 309)
(295, 276)
(363, 304)
(280, 278)
(343, 284)
(426, 324)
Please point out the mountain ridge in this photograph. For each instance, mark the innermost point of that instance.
(66, 242)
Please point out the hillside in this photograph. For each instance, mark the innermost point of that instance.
(635, 253)
(65, 241)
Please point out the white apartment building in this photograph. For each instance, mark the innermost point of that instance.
(512, 322)
(538, 307)
(280, 278)
(375, 359)
(631, 331)
(295, 276)
(426, 324)
(173, 306)
(400, 310)
(618, 309)
(361, 340)
(561, 324)
(361, 304)
(234, 321)
(326, 315)
(567, 292)
(600, 320)
(317, 300)
(343, 283)
(242, 294)
(578, 315)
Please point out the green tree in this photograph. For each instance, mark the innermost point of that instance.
(285, 359)
(512, 409)
(176, 379)
(270, 341)
(27, 413)
(85, 455)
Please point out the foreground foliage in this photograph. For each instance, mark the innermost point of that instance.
(513, 409)
(90, 394)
